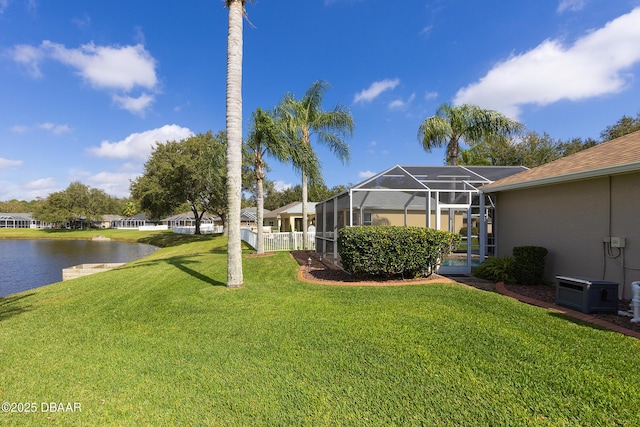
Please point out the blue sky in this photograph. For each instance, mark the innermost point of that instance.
(87, 87)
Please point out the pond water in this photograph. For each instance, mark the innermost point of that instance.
(28, 264)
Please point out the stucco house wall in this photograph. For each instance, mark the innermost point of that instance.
(573, 220)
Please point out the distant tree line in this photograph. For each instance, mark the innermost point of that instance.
(189, 175)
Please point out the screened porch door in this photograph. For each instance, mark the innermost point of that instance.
(455, 218)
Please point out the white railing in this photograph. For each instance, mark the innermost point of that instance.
(273, 242)
(204, 229)
(153, 227)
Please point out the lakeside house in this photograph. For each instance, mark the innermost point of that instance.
(20, 220)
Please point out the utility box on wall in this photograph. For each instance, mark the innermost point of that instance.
(587, 295)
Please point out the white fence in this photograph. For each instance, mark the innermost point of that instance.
(204, 229)
(153, 228)
(279, 241)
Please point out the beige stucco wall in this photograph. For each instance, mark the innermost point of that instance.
(571, 220)
(414, 218)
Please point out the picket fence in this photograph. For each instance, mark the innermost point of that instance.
(273, 242)
(204, 229)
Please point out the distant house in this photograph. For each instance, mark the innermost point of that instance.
(105, 222)
(438, 197)
(20, 220)
(289, 217)
(249, 217)
(584, 208)
(186, 220)
(135, 221)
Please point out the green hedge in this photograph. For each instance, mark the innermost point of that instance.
(475, 231)
(529, 262)
(497, 269)
(386, 251)
(525, 267)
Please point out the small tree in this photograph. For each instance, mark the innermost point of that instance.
(187, 171)
(78, 203)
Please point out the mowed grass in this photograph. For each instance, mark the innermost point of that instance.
(162, 341)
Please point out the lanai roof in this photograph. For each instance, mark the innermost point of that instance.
(16, 216)
(437, 177)
(406, 187)
(620, 155)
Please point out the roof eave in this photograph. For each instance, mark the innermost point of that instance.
(593, 173)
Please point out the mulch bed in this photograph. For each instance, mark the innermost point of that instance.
(324, 271)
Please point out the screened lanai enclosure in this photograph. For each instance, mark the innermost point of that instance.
(439, 197)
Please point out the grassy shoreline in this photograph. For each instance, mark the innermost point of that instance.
(161, 341)
(54, 234)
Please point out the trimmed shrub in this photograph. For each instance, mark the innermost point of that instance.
(386, 251)
(497, 270)
(529, 268)
(475, 231)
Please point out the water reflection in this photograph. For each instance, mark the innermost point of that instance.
(27, 264)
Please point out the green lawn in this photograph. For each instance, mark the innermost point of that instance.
(162, 341)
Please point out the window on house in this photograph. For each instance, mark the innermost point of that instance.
(366, 218)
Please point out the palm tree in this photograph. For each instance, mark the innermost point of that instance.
(465, 122)
(304, 118)
(234, 140)
(263, 140)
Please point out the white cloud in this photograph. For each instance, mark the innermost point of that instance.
(19, 129)
(365, 174)
(117, 69)
(37, 188)
(397, 104)
(426, 30)
(571, 5)
(400, 104)
(47, 126)
(595, 65)
(83, 22)
(6, 163)
(376, 88)
(138, 145)
(30, 57)
(113, 183)
(281, 185)
(134, 105)
(54, 128)
(430, 95)
(121, 68)
(31, 190)
(3, 5)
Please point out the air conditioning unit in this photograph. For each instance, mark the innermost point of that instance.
(587, 295)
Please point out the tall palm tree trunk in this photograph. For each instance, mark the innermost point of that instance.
(305, 196)
(260, 215)
(234, 142)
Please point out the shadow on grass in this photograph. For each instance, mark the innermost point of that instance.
(165, 240)
(181, 263)
(12, 306)
(578, 322)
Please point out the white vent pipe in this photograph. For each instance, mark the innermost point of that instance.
(635, 302)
